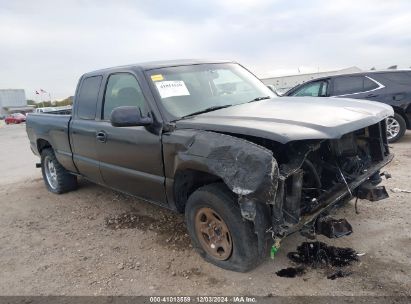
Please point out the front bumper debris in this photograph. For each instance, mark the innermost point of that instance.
(333, 228)
(370, 192)
(328, 200)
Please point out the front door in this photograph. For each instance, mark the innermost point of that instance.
(130, 157)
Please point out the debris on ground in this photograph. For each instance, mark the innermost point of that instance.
(128, 221)
(319, 255)
(291, 272)
(398, 190)
(333, 228)
(275, 248)
(170, 229)
(339, 274)
(193, 271)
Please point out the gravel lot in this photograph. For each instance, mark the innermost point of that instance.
(74, 244)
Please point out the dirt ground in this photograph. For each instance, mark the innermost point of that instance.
(97, 242)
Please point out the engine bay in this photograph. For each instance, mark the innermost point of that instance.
(315, 175)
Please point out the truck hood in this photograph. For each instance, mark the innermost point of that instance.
(292, 118)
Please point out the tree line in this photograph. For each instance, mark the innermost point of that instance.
(56, 103)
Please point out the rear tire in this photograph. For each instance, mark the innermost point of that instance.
(396, 127)
(57, 179)
(241, 252)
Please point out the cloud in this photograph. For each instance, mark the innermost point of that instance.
(49, 44)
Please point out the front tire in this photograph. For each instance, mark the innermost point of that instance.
(57, 179)
(396, 127)
(218, 231)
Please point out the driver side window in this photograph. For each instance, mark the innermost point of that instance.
(313, 89)
(123, 90)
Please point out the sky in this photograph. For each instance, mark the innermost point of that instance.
(49, 44)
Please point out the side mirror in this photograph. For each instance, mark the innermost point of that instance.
(129, 117)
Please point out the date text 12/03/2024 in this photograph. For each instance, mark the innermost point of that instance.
(203, 299)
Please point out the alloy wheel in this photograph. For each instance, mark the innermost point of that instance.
(51, 172)
(393, 128)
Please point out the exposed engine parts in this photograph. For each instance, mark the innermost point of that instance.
(321, 174)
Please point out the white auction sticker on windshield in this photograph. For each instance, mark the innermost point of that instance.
(172, 88)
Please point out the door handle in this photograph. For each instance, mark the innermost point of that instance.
(101, 136)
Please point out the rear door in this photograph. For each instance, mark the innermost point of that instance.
(130, 157)
(83, 128)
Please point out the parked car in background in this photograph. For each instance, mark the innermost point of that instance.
(15, 118)
(55, 110)
(389, 87)
(44, 110)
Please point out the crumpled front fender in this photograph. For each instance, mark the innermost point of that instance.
(248, 169)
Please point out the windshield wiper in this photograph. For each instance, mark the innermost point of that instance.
(259, 98)
(213, 108)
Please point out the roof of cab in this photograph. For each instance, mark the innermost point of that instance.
(151, 65)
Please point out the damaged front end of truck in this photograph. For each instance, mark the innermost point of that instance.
(319, 175)
(284, 188)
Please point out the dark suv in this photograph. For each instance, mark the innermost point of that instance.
(389, 87)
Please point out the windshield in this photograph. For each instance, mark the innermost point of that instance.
(185, 90)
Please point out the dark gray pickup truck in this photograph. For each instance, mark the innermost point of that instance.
(209, 139)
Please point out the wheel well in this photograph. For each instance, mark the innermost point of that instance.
(42, 144)
(187, 181)
(400, 111)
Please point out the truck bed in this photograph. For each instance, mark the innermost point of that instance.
(51, 128)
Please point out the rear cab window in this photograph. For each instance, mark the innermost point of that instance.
(87, 97)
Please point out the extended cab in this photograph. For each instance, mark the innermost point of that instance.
(209, 139)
